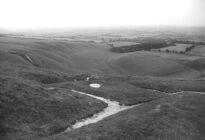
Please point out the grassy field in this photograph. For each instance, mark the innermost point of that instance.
(177, 48)
(198, 51)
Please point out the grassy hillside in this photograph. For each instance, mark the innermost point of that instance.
(156, 83)
(28, 107)
(84, 57)
(145, 64)
(31, 110)
(198, 50)
(172, 118)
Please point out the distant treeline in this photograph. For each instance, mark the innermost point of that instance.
(189, 48)
(182, 52)
(147, 46)
(175, 51)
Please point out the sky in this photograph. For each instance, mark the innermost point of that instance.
(35, 14)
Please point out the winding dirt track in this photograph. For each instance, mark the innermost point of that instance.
(113, 108)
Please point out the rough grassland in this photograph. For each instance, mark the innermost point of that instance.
(123, 92)
(28, 109)
(178, 117)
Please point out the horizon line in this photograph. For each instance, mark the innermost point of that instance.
(96, 27)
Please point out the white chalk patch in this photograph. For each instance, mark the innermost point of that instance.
(49, 88)
(95, 85)
(29, 59)
(88, 78)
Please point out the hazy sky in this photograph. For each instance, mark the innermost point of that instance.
(26, 14)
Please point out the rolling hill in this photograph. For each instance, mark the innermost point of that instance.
(84, 57)
(38, 74)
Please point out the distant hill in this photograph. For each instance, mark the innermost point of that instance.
(84, 57)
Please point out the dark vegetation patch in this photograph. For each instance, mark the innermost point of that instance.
(43, 78)
(147, 46)
(39, 75)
